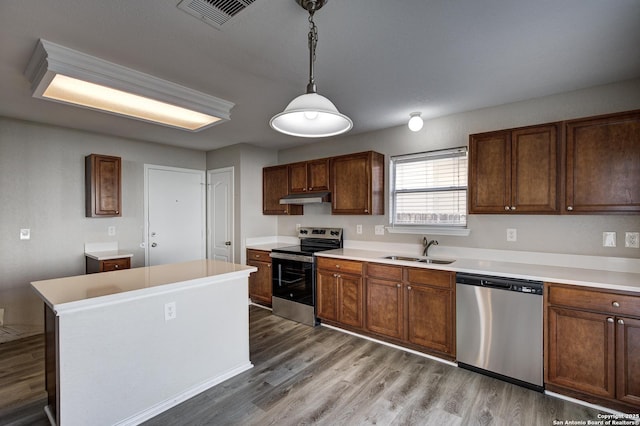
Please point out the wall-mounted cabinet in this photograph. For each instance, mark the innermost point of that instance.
(515, 171)
(309, 176)
(275, 185)
(603, 164)
(103, 187)
(357, 184)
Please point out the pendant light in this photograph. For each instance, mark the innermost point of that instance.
(311, 115)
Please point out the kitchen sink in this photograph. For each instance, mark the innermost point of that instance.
(420, 259)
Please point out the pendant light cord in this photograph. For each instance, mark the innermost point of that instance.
(313, 42)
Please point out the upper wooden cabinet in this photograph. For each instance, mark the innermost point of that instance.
(309, 176)
(357, 184)
(603, 164)
(275, 185)
(515, 171)
(103, 197)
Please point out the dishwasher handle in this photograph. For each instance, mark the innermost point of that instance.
(495, 284)
(501, 283)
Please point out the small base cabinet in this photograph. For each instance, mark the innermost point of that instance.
(592, 345)
(339, 292)
(93, 265)
(260, 290)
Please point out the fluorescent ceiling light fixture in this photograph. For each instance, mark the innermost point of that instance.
(67, 76)
(311, 115)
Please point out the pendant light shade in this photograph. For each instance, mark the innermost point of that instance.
(311, 115)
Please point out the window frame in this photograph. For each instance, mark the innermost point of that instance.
(432, 229)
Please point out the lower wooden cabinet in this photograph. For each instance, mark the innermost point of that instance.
(94, 266)
(414, 307)
(592, 345)
(339, 292)
(260, 289)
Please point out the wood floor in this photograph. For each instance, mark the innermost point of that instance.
(304, 375)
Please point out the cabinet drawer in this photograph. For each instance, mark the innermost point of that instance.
(594, 300)
(430, 277)
(260, 255)
(393, 273)
(347, 266)
(115, 264)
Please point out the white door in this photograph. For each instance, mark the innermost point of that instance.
(175, 213)
(220, 199)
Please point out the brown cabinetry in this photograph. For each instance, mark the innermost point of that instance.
(414, 307)
(103, 186)
(592, 345)
(260, 290)
(275, 185)
(603, 164)
(94, 265)
(515, 171)
(339, 291)
(357, 184)
(309, 176)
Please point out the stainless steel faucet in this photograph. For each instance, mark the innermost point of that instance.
(427, 244)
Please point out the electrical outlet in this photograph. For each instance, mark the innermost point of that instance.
(111, 231)
(298, 227)
(358, 229)
(512, 234)
(632, 239)
(608, 239)
(379, 229)
(170, 311)
(1, 316)
(25, 234)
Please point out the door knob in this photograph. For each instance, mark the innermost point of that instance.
(227, 243)
(154, 244)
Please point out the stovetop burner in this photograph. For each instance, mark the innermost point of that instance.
(313, 240)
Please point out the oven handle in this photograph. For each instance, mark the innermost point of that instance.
(287, 256)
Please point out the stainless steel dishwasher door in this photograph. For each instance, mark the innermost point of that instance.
(500, 331)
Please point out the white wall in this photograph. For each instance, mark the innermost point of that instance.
(42, 188)
(558, 234)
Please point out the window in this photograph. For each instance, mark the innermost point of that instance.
(429, 189)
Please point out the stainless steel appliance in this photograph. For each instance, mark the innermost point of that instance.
(294, 273)
(499, 328)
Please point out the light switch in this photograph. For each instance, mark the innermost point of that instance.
(608, 239)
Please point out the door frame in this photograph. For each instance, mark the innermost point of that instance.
(145, 237)
(230, 169)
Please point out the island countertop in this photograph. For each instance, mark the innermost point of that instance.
(86, 290)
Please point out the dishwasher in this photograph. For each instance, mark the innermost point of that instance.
(499, 328)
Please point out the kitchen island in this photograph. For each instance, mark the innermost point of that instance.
(123, 346)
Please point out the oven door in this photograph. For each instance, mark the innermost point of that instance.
(293, 278)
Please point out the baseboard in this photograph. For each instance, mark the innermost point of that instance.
(189, 393)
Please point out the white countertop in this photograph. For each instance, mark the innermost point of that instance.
(82, 291)
(625, 281)
(108, 254)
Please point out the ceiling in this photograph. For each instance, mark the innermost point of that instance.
(377, 60)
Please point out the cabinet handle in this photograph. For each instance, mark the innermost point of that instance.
(609, 319)
(257, 255)
(338, 266)
(304, 189)
(117, 211)
(409, 288)
(268, 265)
(620, 322)
(570, 208)
(615, 304)
(513, 207)
(398, 285)
(310, 188)
(506, 207)
(366, 210)
(117, 266)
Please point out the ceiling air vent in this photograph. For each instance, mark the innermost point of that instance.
(214, 12)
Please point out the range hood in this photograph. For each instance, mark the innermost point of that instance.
(314, 198)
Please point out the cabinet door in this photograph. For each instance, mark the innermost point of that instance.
(490, 172)
(350, 300)
(430, 314)
(385, 308)
(102, 186)
(275, 185)
(628, 360)
(581, 351)
(534, 170)
(357, 184)
(318, 175)
(260, 282)
(297, 177)
(327, 295)
(603, 164)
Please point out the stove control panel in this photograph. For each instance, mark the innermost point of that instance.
(328, 233)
